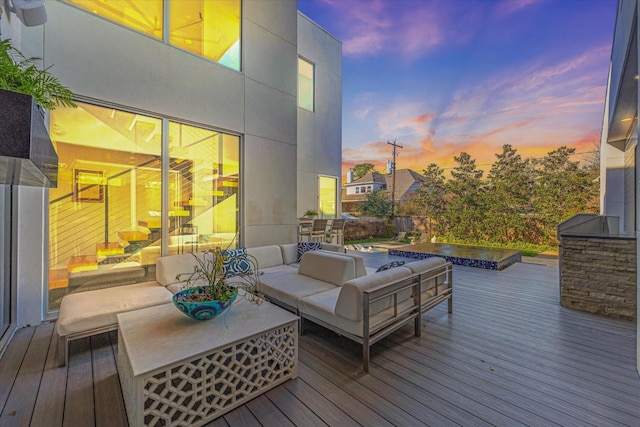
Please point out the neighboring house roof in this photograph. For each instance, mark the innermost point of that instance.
(369, 178)
(407, 181)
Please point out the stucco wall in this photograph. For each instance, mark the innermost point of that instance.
(319, 131)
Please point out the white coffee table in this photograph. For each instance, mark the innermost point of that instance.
(178, 371)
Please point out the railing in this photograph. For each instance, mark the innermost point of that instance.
(85, 223)
(76, 227)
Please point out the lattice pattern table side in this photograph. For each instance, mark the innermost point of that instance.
(127, 381)
(200, 389)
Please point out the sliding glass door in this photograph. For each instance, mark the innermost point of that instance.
(106, 218)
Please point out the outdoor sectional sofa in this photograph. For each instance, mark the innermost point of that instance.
(327, 286)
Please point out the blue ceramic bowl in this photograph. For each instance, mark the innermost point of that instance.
(202, 310)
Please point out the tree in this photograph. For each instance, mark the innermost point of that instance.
(430, 198)
(509, 194)
(362, 169)
(563, 189)
(466, 208)
(377, 204)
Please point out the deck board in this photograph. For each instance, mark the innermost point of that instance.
(49, 407)
(78, 407)
(109, 405)
(509, 354)
(21, 401)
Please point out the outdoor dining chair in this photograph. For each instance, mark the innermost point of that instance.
(318, 230)
(337, 230)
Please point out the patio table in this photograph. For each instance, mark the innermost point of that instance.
(175, 370)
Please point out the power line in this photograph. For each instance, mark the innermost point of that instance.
(393, 176)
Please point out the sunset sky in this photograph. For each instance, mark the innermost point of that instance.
(446, 76)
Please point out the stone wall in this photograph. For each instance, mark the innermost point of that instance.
(598, 275)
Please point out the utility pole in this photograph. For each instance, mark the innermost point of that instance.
(393, 176)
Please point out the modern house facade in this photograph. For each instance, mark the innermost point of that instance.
(619, 143)
(199, 124)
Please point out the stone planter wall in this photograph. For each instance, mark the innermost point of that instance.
(598, 275)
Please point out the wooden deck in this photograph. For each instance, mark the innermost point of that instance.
(508, 355)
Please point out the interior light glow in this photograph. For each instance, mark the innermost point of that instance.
(626, 119)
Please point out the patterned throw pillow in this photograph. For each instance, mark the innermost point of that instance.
(306, 247)
(390, 265)
(235, 262)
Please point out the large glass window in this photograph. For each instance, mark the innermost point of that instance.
(209, 28)
(142, 15)
(205, 199)
(305, 84)
(327, 191)
(106, 220)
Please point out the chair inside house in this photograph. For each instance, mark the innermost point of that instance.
(337, 230)
(317, 232)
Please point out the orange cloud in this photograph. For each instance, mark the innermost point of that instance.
(422, 119)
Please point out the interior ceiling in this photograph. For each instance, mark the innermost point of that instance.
(209, 28)
(100, 127)
(626, 103)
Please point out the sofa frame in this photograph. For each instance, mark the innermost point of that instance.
(374, 332)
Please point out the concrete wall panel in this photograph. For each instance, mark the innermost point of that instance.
(270, 60)
(270, 113)
(89, 57)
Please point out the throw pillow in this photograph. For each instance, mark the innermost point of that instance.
(235, 262)
(306, 247)
(390, 265)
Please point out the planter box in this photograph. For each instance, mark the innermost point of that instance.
(27, 156)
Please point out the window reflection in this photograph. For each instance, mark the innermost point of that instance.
(208, 28)
(105, 216)
(327, 189)
(305, 84)
(144, 16)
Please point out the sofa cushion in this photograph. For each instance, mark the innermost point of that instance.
(289, 286)
(389, 265)
(306, 247)
(266, 256)
(428, 287)
(424, 265)
(235, 262)
(349, 304)
(168, 267)
(322, 307)
(333, 247)
(283, 267)
(86, 311)
(289, 253)
(328, 267)
(361, 269)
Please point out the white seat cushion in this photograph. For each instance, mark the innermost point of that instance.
(85, 311)
(289, 286)
(266, 256)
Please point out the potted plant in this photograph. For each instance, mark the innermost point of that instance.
(311, 213)
(21, 74)
(215, 281)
